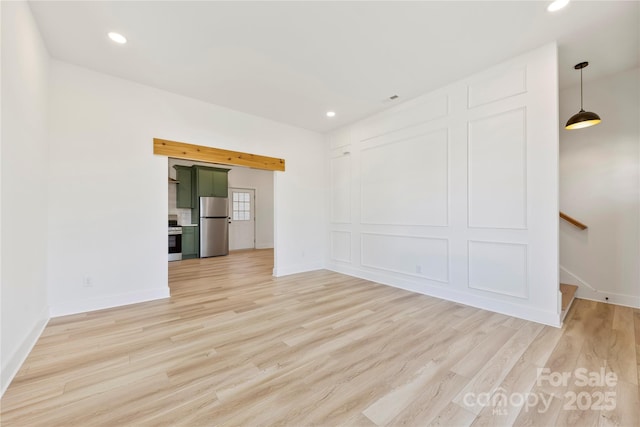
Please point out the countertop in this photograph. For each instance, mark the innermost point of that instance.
(188, 225)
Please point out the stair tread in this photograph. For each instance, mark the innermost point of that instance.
(568, 292)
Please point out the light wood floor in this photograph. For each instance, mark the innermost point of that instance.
(234, 346)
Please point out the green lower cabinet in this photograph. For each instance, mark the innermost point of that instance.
(190, 242)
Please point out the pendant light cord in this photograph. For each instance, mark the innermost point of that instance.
(581, 107)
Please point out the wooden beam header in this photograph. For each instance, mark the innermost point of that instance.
(181, 150)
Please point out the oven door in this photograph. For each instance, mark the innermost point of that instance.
(175, 247)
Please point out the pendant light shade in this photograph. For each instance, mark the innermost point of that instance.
(582, 119)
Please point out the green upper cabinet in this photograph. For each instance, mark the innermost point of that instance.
(199, 181)
(184, 194)
(212, 182)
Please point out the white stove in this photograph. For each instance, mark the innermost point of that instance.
(175, 243)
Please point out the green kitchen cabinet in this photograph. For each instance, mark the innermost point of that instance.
(184, 190)
(212, 182)
(190, 242)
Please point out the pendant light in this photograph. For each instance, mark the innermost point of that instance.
(582, 119)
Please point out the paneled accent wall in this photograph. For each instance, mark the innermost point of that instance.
(413, 172)
(341, 246)
(425, 257)
(341, 189)
(498, 195)
(455, 193)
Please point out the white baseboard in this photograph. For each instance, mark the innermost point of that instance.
(12, 364)
(588, 291)
(551, 318)
(264, 245)
(608, 297)
(297, 268)
(83, 306)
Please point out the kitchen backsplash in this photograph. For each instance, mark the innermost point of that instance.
(184, 215)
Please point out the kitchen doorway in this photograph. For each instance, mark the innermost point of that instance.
(254, 224)
(264, 183)
(242, 218)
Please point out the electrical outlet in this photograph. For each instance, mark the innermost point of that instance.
(87, 281)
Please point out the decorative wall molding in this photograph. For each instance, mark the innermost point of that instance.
(469, 177)
(340, 201)
(496, 86)
(497, 171)
(492, 269)
(418, 264)
(412, 114)
(406, 181)
(340, 138)
(336, 251)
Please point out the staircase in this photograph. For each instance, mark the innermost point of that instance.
(568, 295)
(569, 291)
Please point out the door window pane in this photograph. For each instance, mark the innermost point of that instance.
(241, 206)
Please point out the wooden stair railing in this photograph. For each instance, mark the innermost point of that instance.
(573, 221)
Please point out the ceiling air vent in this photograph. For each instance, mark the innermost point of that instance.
(390, 99)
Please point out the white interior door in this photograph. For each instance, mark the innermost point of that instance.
(242, 227)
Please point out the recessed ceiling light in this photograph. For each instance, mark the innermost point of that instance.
(118, 38)
(557, 5)
(331, 113)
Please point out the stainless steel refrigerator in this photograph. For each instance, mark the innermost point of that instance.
(214, 226)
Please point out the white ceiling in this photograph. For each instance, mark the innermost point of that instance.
(293, 61)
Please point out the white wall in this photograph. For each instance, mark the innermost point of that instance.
(25, 67)
(455, 194)
(109, 192)
(599, 185)
(239, 177)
